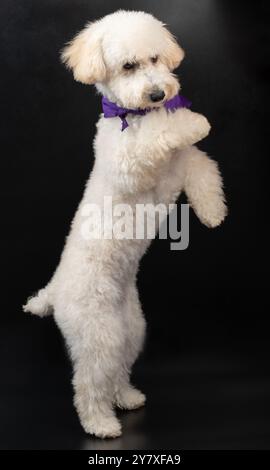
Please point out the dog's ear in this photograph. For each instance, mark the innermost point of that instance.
(83, 55)
(173, 53)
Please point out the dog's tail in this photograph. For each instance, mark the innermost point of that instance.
(40, 304)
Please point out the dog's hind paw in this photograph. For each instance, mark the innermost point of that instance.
(104, 427)
(130, 398)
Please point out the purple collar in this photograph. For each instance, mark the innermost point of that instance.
(111, 109)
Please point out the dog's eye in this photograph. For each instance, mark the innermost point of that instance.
(154, 59)
(129, 66)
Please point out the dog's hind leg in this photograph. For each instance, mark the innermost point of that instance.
(95, 340)
(127, 396)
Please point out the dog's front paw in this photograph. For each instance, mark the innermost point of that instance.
(201, 127)
(194, 128)
(213, 214)
(103, 427)
(187, 128)
(130, 398)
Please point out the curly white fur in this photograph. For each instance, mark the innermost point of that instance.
(93, 292)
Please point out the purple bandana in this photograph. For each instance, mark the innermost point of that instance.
(111, 109)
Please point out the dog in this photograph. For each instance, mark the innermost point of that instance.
(144, 153)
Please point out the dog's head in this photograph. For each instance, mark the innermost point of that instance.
(129, 56)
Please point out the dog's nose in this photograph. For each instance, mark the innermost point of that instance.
(157, 95)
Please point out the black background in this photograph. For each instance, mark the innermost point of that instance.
(205, 368)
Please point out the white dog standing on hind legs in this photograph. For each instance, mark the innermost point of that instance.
(130, 57)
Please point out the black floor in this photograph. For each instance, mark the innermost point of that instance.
(197, 400)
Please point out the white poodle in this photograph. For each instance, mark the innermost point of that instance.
(149, 157)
